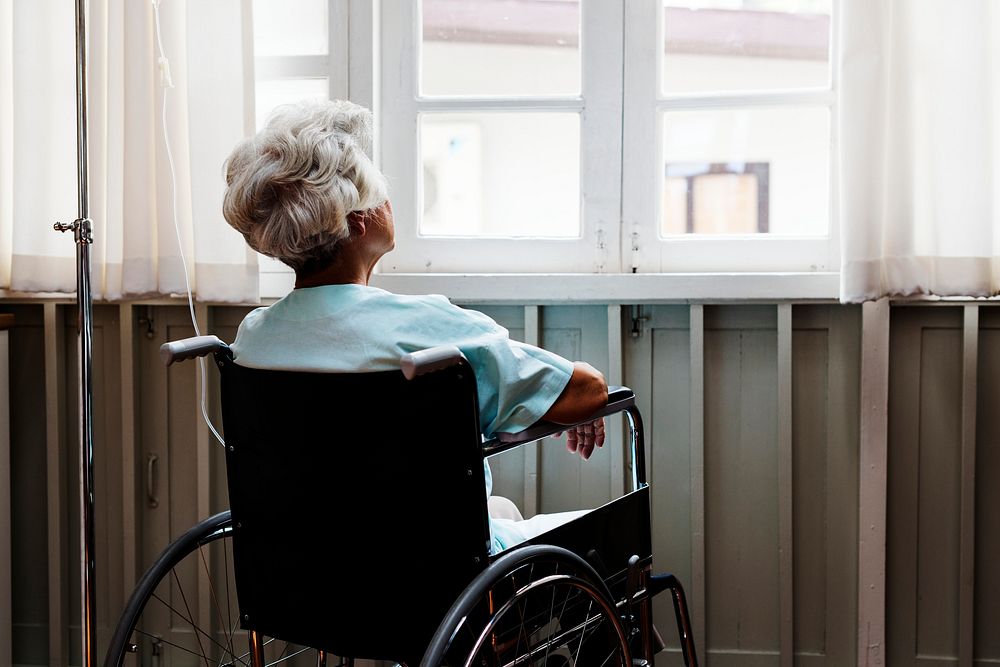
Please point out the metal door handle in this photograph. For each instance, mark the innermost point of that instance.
(151, 500)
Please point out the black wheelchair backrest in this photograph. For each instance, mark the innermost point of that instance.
(344, 486)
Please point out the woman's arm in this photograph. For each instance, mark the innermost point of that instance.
(585, 393)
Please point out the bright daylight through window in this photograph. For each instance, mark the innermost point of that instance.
(552, 136)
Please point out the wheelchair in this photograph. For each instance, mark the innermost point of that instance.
(322, 560)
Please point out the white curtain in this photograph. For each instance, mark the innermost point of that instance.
(920, 142)
(131, 199)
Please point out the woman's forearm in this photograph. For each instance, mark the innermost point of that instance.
(586, 392)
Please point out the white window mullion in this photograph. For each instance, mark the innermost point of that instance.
(641, 137)
(398, 128)
(601, 132)
(338, 59)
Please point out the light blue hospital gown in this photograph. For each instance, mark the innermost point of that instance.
(352, 328)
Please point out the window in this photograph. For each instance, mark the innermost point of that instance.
(589, 136)
(501, 135)
(291, 53)
(738, 99)
(292, 61)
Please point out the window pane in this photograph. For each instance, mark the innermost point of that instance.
(270, 94)
(729, 45)
(746, 171)
(290, 27)
(500, 47)
(501, 174)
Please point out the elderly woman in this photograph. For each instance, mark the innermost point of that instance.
(305, 192)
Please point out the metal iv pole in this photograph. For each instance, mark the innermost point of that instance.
(82, 229)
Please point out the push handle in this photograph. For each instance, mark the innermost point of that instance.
(432, 359)
(189, 348)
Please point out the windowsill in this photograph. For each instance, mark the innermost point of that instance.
(616, 288)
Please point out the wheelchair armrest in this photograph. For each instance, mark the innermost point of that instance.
(189, 348)
(619, 399)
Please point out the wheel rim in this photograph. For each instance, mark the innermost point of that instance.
(542, 613)
(188, 614)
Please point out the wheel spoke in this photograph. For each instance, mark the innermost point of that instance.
(190, 615)
(198, 631)
(161, 640)
(223, 622)
(552, 611)
(583, 634)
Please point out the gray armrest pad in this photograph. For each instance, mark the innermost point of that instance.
(189, 348)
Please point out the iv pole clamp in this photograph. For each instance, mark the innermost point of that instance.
(83, 229)
(83, 235)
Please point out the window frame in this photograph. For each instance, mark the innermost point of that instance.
(597, 249)
(360, 67)
(645, 251)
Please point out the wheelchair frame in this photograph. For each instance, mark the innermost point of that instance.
(623, 596)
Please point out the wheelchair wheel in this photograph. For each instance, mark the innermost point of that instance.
(184, 612)
(538, 605)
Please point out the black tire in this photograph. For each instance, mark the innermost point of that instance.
(162, 618)
(538, 605)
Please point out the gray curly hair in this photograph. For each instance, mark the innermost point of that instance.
(291, 187)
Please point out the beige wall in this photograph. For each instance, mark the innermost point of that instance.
(755, 498)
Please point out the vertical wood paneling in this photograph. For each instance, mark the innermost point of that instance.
(786, 590)
(6, 594)
(842, 461)
(108, 502)
(129, 494)
(28, 489)
(168, 432)
(752, 413)
(939, 488)
(57, 487)
(872, 492)
(986, 602)
(825, 379)
(967, 501)
(697, 449)
(924, 482)
(810, 381)
(741, 481)
(669, 457)
(567, 482)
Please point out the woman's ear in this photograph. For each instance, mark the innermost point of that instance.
(357, 222)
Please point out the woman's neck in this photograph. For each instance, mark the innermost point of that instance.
(347, 269)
